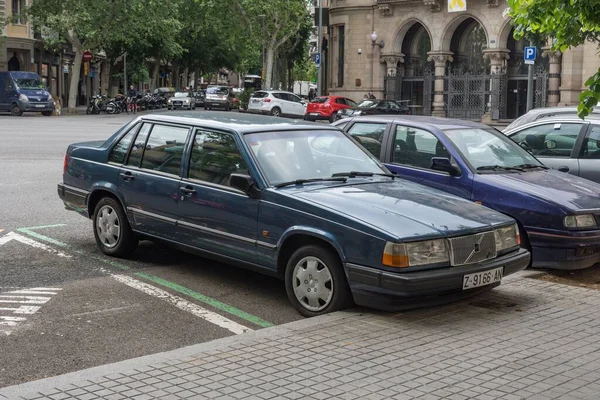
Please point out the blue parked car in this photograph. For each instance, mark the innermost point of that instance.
(558, 214)
(24, 92)
(292, 199)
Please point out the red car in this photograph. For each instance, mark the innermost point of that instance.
(325, 107)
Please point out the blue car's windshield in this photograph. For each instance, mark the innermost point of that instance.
(29, 83)
(309, 154)
(484, 149)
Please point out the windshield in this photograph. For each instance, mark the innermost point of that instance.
(217, 90)
(367, 104)
(29, 83)
(293, 155)
(484, 148)
(182, 94)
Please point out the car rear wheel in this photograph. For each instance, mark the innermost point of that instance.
(111, 229)
(276, 112)
(15, 110)
(315, 281)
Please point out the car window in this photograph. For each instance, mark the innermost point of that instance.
(340, 101)
(139, 145)
(164, 149)
(215, 156)
(550, 140)
(320, 100)
(9, 85)
(259, 95)
(119, 152)
(370, 135)
(591, 147)
(280, 96)
(351, 103)
(416, 147)
(393, 106)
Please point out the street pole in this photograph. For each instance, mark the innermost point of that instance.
(530, 85)
(125, 73)
(320, 49)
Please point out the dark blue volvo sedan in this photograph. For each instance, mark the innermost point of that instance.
(292, 199)
(559, 214)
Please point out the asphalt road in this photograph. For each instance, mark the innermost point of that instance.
(65, 306)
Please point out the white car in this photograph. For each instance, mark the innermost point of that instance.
(277, 103)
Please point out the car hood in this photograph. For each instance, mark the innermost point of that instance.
(405, 209)
(569, 191)
(35, 93)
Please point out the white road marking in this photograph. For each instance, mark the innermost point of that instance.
(19, 297)
(25, 240)
(183, 304)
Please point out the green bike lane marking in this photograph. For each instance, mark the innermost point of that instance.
(163, 282)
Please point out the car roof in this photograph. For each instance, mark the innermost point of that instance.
(239, 122)
(425, 122)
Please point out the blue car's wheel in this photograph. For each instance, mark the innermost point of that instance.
(315, 281)
(111, 229)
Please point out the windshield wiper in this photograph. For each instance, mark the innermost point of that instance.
(531, 166)
(303, 181)
(499, 168)
(354, 174)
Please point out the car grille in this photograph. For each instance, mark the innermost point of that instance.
(472, 249)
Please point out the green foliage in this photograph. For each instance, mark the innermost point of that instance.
(245, 98)
(570, 23)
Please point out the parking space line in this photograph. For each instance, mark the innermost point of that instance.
(183, 304)
(171, 285)
(25, 305)
(20, 238)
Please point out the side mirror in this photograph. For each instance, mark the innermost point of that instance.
(242, 182)
(443, 164)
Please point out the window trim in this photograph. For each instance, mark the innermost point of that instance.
(137, 126)
(390, 151)
(384, 141)
(588, 131)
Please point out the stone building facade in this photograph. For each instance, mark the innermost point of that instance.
(16, 50)
(463, 64)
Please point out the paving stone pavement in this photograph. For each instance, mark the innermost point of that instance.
(527, 339)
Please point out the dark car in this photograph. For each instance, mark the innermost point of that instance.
(373, 107)
(218, 97)
(559, 214)
(566, 144)
(24, 92)
(297, 200)
(200, 95)
(164, 92)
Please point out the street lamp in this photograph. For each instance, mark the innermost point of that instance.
(374, 41)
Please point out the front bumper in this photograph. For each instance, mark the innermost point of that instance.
(214, 103)
(33, 106)
(75, 199)
(568, 250)
(179, 106)
(402, 291)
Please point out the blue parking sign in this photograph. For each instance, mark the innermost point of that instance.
(529, 54)
(318, 59)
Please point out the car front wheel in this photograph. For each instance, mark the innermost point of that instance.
(111, 229)
(276, 112)
(315, 281)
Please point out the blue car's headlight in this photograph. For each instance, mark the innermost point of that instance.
(580, 221)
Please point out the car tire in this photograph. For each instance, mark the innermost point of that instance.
(47, 113)
(331, 119)
(15, 111)
(109, 218)
(312, 262)
(276, 112)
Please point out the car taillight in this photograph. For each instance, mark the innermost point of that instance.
(266, 100)
(65, 162)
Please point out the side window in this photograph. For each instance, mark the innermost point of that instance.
(351, 103)
(394, 106)
(9, 85)
(215, 156)
(340, 101)
(137, 151)
(551, 140)
(119, 152)
(370, 135)
(591, 148)
(416, 147)
(279, 96)
(164, 149)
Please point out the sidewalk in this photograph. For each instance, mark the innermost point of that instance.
(527, 339)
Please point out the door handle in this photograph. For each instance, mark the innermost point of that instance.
(563, 168)
(127, 176)
(188, 191)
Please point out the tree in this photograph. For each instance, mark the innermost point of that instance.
(569, 23)
(272, 23)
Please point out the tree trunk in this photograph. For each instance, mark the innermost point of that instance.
(269, 56)
(155, 71)
(74, 86)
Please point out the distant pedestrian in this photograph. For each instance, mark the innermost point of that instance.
(311, 94)
(366, 97)
(132, 94)
(371, 96)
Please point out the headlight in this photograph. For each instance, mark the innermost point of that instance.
(507, 237)
(186, 101)
(580, 221)
(414, 254)
(22, 97)
(169, 101)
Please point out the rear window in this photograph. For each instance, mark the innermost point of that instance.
(260, 95)
(218, 90)
(320, 100)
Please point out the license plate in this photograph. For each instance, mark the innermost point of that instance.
(216, 104)
(478, 279)
(40, 105)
